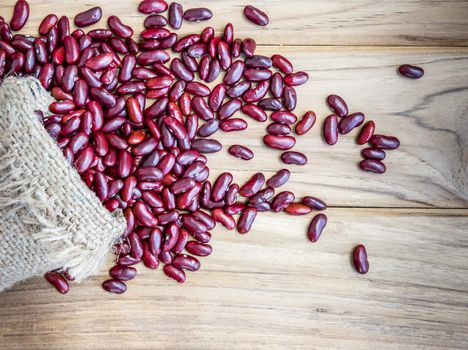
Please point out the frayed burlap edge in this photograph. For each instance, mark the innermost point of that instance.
(50, 219)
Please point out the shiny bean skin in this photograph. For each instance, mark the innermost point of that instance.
(248, 47)
(270, 104)
(197, 14)
(373, 153)
(372, 165)
(277, 85)
(58, 281)
(361, 264)
(297, 209)
(385, 142)
(238, 89)
(217, 96)
(279, 129)
(282, 63)
(220, 186)
(337, 105)
(282, 201)
(279, 142)
(114, 286)
(279, 179)
(229, 108)
(123, 273)
(20, 15)
(47, 24)
(330, 129)
(174, 273)
(241, 152)
(253, 185)
(88, 17)
(409, 71)
(199, 249)
(118, 28)
(296, 158)
(246, 220)
(256, 15)
(152, 6)
(314, 203)
(254, 112)
(316, 227)
(296, 79)
(224, 219)
(186, 262)
(366, 133)
(350, 122)
(283, 117)
(175, 15)
(206, 146)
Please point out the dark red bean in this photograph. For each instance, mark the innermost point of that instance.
(235, 72)
(330, 129)
(63, 26)
(316, 227)
(256, 15)
(269, 104)
(181, 241)
(290, 98)
(189, 62)
(193, 225)
(72, 50)
(229, 108)
(174, 273)
(204, 67)
(361, 264)
(197, 89)
(149, 174)
(233, 124)
(373, 153)
(100, 62)
(337, 105)
(283, 117)
(206, 146)
(224, 55)
(306, 123)
(171, 235)
(20, 15)
(47, 24)
(205, 219)
(186, 262)
(155, 241)
(246, 220)
(297, 209)
(248, 47)
(235, 208)
(136, 245)
(165, 257)
(207, 34)
(385, 142)
(253, 185)
(217, 96)
(239, 89)
(152, 6)
(114, 286)
(409, 71)
(155, 21)
(88, 17)
(128, 64)
(372, 165)
(198, 249)
(123, 273)
(221, 185)
(103, 97)
(297, 158)
(282, 201)
(152, 57)
(279, 142)
(277, 85)
(254, 112)
(257, 74)
(176, 12)
(80, 93)
(282, 63)
(201, 108)
(126, 260)
(279, 179)
(295, 79)
(366, 132)
(58, 281)
(224, 219)
(262, 196)
(197, 14)
(314, 203)
(143, 214)
(118, 28)
(350, 122)
(78, 141)
(241, 152)
(209, 128)
(127, 189)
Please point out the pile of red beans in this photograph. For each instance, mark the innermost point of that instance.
(135, 119)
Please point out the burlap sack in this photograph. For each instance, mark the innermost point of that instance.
(49, 217)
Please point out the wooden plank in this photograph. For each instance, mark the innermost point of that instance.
(428, 115)
(305, 22)
(273, 289)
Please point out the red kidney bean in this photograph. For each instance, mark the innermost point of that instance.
(229, 108)
(118, 45)
(372, 165)
(58, 281)
(295, 79)
(124, 164)
(290, 98)
(40, 51)
(88, 17)
(127, 260)
(62, 107)
(350, 122)
(253, 185)
(201, 108)
(128, 188)
(69, 77)
(123, 273)
(246, 220)
(283, 117)
(193, 225)
(202, 237)
(186, 41)
(269, 104)
(182, 185)
(261, 207)
(197, 14)
(361, 264)
(128, 64)
(63, 26)
(80, 93)
(239, 89)
(233, 124)
(207, 34)
(152, 6)
(114, 286)
(316, 227)
(220, 186)
(330, 129)
(72, 50)
(224, 55)
(241, 152)
(366, 132)
(83, 159)
(337, 105)
(297, 158)
(235, 72)
(282, 63)
(204, 67)
(228, 34)
(206, 146)
(136, 246)
(385, 142)
(216, 97)
(297, 209)
(153, 56)
(155, 241)
(174, 273)
(181, 241)
(256, 15)
(196, 50)
(20, 15)
(198, 249)
(143, 214)
(118, 28)
(279, 142)
(90, 78)
(149, 174)
(103, 97)
(186, 262)
(248, 47)
(155, 33)
(236, 48)
(78, 141)
(205, 219)
(209, 128)
(155, 21)
(257, 74)
(197, 89)
(282, 201)
(224, 219)
(279, 179)
(314, 203)
(189, 62)
(409, 71)
(175, 15)
(277, 85)
(171, 235)
(306, 123)
(262, 196)
(100, 62)
(258, 61)
(184, 200)
(254, 112)
(166, 257)
(235, 208)
(47, 24)
(373, 153)
(59, 94)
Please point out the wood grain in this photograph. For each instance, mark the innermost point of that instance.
(272, 289)
(304, 22)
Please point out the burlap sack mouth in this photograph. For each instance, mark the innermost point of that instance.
(50, 219)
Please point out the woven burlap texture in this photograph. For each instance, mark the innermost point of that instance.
(49, 218)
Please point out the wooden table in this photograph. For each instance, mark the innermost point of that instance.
(272, 288)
